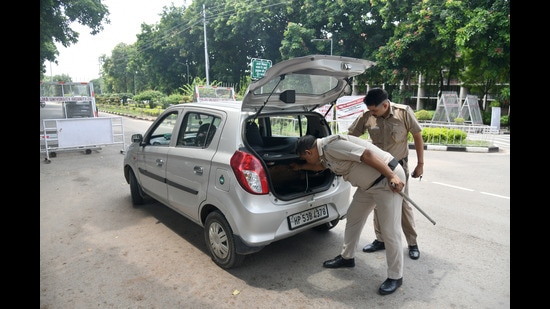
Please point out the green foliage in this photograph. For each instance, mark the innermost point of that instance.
(504, 96)
(401, 95)
(172, 99)
(505, 120)
(424, 114)
(446, 41)
(443, 136)
(55, 19)
(189, 89)
(459, 120)
(151, 97)
(486, 116)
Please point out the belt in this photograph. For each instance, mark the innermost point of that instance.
(392, 164)
(405, 159)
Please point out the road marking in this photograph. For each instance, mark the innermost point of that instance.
(471, 190)
(439, 183)
(496, 195)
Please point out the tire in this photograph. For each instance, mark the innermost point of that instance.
(135, 189)
(219, 241)
(327, 226)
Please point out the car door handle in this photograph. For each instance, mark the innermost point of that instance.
(198, 170)
(160, 162)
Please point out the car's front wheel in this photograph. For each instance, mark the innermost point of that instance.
(135, 189)
(219, 240)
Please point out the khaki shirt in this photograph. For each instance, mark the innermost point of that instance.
(342, 155)
(390, 134)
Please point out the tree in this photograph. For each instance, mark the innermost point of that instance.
(484, 44)
(445, 41)
(56, 17)
(118, 69)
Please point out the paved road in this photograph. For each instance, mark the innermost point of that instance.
(98, 251)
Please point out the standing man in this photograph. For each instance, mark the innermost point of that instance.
(378, 178)
(388, 125)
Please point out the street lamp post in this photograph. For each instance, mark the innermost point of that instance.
(135, 82)
(313, 40)
(187, 64)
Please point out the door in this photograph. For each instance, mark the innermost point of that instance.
(189, 162)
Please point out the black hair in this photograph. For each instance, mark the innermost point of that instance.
(304, 143)
(375, 96)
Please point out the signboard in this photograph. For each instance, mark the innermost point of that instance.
(347, 109)
(259, 66)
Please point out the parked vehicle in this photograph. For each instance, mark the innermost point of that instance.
(225, 164)
(77, 98)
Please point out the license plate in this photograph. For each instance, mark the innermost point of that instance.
(307, 217)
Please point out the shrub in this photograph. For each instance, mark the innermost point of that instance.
(424, 114)
(505, 120)
(443, 136)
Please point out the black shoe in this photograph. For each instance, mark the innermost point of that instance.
(413, 252)
(389, 286)
(375, 246)
(338, 262)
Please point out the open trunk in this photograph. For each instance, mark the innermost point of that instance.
(273, 138)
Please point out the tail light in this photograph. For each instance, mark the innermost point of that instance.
(250, 173)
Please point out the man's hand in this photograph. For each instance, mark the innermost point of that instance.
(396, 185)
(418, 171)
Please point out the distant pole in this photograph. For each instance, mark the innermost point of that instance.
(313, 40)
(205, 45)
(187, 64)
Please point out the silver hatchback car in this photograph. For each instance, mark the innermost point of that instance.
(225, 165)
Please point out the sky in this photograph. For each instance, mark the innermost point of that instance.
(81, 60)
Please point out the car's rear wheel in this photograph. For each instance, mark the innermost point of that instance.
(135, 189)
(327, 226)
(219, 240)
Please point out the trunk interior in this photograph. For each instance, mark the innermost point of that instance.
(278, 152)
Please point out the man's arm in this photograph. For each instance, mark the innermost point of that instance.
(370, 159)
(419, 147)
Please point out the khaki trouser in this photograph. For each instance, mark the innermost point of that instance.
(407, 217)
(389, 206)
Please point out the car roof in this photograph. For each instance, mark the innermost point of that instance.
(303, 83)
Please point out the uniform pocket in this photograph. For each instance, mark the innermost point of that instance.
(399, 134)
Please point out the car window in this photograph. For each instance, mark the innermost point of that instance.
(291, 126)
(197, 130)
(286, 125)
(301, 83)
(162, 133)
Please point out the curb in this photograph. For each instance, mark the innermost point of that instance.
(458, 148)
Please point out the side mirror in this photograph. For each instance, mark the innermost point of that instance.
(137, 138)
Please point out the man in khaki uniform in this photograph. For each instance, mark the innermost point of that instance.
(379, 178)
(388, 125)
